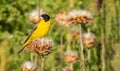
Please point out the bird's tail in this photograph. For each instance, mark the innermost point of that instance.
(21, 50)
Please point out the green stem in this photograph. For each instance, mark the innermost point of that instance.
(89, 59)
(31, 57)
(71, 67)
(61, 46)
(89, 55)
(88, 30)
(103, 50)
(103, 36)
(82, 49)
(41, 63)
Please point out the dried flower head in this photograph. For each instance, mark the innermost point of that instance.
(70, 56)
(62, 19)
(41, 46)
(80, 16)
(29, 66)
(75, 32)
(34, 16)
(66, 69)
(89, 39)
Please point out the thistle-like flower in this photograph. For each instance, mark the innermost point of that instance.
(80, 16)
(29, 66)
(70, 56)
(89, 39)
(34, 16)
(66, 69)
(41, 46)
(62, 19)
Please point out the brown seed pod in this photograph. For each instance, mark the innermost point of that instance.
(29, 66)
(34, 16)
(62, 19)
(70, 56)
(41, 46)
(89, 40)
(80, 16)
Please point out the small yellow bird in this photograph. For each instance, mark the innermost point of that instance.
(40, 30)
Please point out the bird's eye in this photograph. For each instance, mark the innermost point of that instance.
(45, 17)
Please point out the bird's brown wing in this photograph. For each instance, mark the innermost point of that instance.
(21, 50)
(35, 27)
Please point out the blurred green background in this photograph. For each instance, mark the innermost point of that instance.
(15, 26)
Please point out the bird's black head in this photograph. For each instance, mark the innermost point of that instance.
(45, 17)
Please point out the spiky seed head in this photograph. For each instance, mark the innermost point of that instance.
(80, 16)
(29, 66)
(62, 19)
(89, 39)
(70, 56)
(41, 46)
(34, 16)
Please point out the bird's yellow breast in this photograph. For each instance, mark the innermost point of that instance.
(41, 30)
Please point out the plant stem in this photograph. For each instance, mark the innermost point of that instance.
(89, 55)
(71, 67)
(38, 8)
(103, 36)
(31, 56)
(61, 44)
(103, 52)
(71, 3)
(88, 30)
(89, 59)
(82, 49)
(41, 63)
(89, 51)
